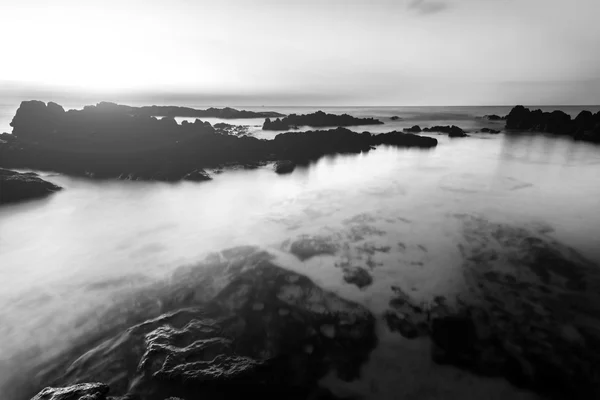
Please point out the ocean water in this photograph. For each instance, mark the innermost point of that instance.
(64, 258)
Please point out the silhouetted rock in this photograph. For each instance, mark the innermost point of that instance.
(452, 131)
(488, 130)
(16, 187)
(285, 166)
(228, 129)
(396, 118)
(105, 142)
(317, 119)
(586, 126)
(494, 117)
(240, 327)
(413, 129)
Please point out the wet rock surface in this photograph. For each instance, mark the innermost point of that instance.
(317, 119)
(234, 325)
(16, 187)
(234, 130)
(198, 175)
(530, 313)
(285, 167)
(104, 141)
(452, 131)
(489, 130)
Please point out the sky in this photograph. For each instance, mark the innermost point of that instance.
(311, 52)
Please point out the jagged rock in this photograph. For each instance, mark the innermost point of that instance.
(452, 131)
(586, 126)
(488, 130)
(82, 391)
(16, 187)
(358, 276)
(413, 129)
(317, 119)
(236, 325)
(285, 167)
(228, 129)
(106, 141)
(198, 175)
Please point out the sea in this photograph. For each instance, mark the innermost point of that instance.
(65, 257)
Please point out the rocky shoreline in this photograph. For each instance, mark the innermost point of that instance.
(316, 120)
(103, 141)
(16, 187)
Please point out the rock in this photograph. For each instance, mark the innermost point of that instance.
(228, 129)
(285, 167)
(586, 126)
(413, 129)
(488, 130)
(306, 247)
(16, 187)
(358, 276)
(494, 117)
(218, 344)
(106, 141)
(82, 391)
(452, 131)
(317, 119)
(402, 325)
(198, 175)
(396, 118)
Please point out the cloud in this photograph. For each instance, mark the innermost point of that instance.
(427, 7)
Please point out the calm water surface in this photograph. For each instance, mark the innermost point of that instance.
(64, 258)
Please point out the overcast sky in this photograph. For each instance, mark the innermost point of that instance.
(312, 52)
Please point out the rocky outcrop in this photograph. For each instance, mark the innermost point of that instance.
(317, 119)
(16, 187)
(285, 167)
(494, 117)
(413, 129)
(396, 118)
(452, 131)
(82, 391)
(175, 111)
(586, 126)
(236, 325)
(228, 129)
(101, 143)
(488, 130)
(198, 175)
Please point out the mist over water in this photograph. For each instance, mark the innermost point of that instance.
(66, 258)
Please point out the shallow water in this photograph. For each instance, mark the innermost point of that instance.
(64, 258)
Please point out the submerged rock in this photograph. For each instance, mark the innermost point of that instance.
(306, 246)
(494, 117)
(16, 187)
(317, 119)
(395, 118)
(234, 326)
(358, 276)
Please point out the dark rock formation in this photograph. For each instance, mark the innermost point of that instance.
(285, 167)
(174, 111)
(488, 130)
(101, 143)
(413, 129)
(586, 126)
(396, 118)
(452, 131)
(228, 129)
(317, 119)
(494, 117)
(306, 247)
(234, 326)
(15, 186)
